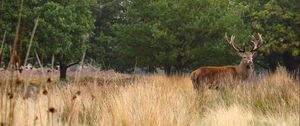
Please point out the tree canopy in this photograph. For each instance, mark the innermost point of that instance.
(175, 36)
(279, 21)
(64, 31)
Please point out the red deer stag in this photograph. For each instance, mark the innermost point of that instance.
(211, 76)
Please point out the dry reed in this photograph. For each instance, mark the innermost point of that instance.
(159, 100)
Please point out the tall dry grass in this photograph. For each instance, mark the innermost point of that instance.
(272, 99)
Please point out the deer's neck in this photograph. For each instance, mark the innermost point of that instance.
(245, 71)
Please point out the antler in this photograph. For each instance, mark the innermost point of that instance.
(231, 43)
(257, 43)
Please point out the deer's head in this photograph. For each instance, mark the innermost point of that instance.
(247, 56)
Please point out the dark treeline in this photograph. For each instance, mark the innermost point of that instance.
(173, 35)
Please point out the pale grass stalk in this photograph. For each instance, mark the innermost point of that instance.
(78, 71)
(11, 102)
(235, 115)
(168, 100)
(52, 67)
(69, 121)
(27, 83)
(43, 85)
(40, 64)
(31, 40)
(2, 46)
(39, 112)
(25, 93)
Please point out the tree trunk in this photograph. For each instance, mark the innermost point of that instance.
(63, 71)
(178, 70)
(179, 66)
(272, 60)
(151, 69)
(167, 70)
(290, 61)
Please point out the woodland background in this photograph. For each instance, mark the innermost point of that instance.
(173, 35)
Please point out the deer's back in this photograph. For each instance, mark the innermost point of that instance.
(209, 74)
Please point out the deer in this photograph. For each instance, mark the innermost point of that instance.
(212, 76)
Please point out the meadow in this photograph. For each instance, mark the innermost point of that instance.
(104, 98)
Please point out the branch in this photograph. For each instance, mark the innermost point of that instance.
(72, 64)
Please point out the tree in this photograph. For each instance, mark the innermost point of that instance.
(279, 22)
(8, 24)
(177, 35)
(64, 31)
(107, 13)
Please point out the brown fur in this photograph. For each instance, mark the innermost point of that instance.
(211, 75)
(215, 76)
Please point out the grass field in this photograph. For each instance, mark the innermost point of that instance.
(96, 98)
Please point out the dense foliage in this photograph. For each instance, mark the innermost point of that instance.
(279, 21)
(174, 36)
(63, 31)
